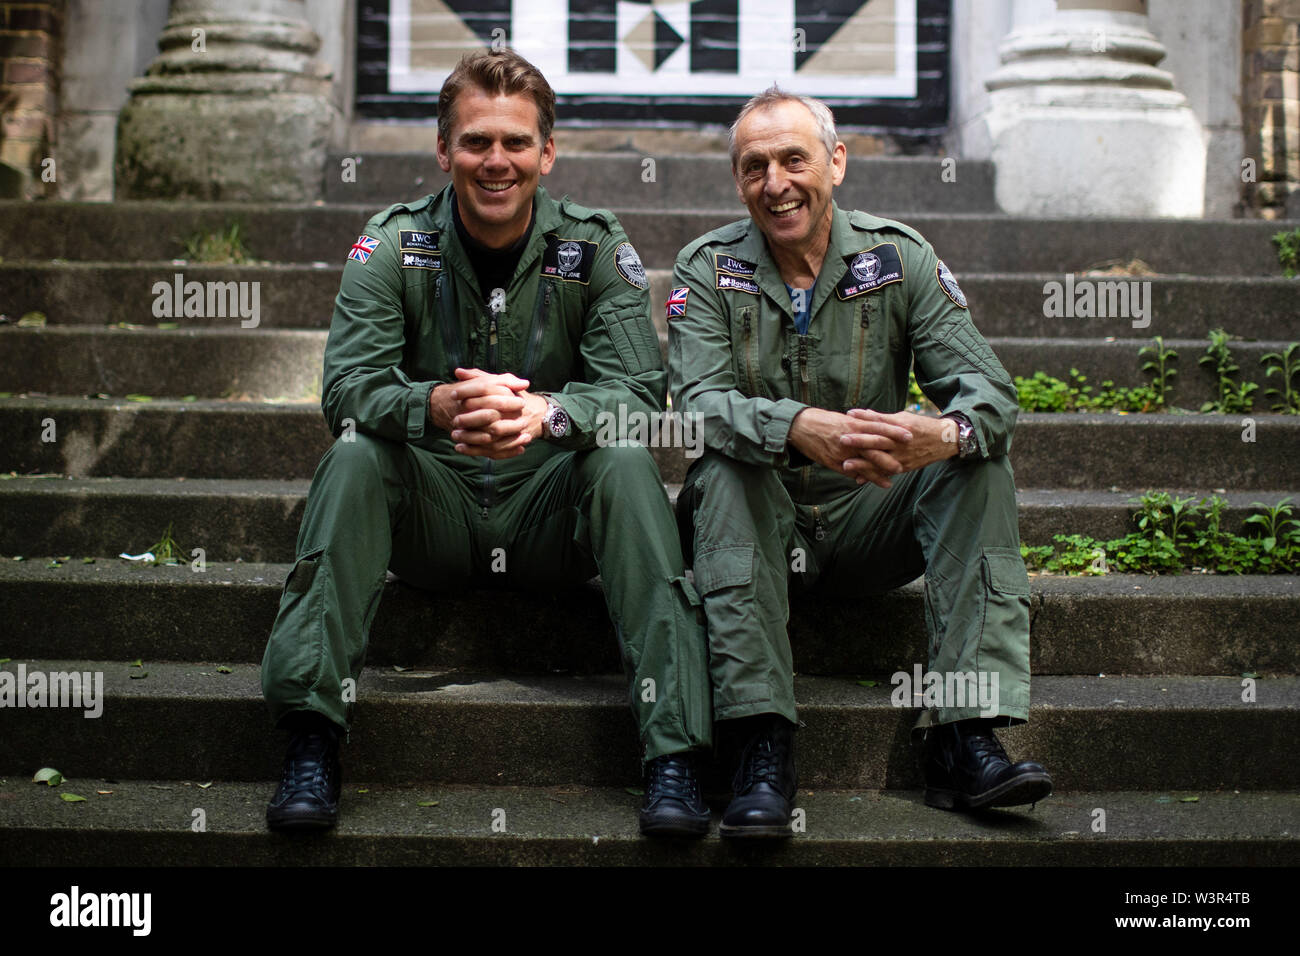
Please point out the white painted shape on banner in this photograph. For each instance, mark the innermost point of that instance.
(399, 43)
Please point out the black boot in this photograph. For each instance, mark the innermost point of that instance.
(308, 795)
(968, 769)
(673, 805)
(764, 785)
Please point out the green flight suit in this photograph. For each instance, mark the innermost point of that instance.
(736, 359)
(393, 494)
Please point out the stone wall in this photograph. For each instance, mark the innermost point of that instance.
(30, 44)
(1270, 85)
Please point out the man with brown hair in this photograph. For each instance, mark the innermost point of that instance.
(481, 338)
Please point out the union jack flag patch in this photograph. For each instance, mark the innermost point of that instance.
(362, 248)
(676, 306)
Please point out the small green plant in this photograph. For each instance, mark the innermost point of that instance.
(1286, 364)
(217, 247)
(1233, 396)
(1044, 393)
(1167, 539)
(1158, 365)
(1288, 252)
(1280, 532)
(167, 550)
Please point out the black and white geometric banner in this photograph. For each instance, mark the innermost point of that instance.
(882, 63)
(857, 48)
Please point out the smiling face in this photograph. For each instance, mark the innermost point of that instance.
(785, 178)
(496, 157)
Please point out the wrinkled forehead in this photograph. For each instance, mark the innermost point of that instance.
(776, 130)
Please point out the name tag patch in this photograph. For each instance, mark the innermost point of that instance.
(869, 270)
(568, 259)
(419, 260)
(415, 241)
(739, 283)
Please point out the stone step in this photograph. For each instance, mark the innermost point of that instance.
(1116, 624)
(206, 439)
(627, 181)
(285, 365)
(301, 296)
(150, 821)
(257, 520)
(467, 728)
(969, 243)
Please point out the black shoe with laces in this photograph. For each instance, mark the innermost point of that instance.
(673, 805)
(968, 769)
(764, 785)
(308, 795)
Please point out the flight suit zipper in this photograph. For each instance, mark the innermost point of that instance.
(749, 362)
(805, 473)
(819, 532)
(855, 396)
(540, 315)
(450, 336)
(496, 305)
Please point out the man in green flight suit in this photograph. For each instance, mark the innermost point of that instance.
(481, 339)
(791, 335)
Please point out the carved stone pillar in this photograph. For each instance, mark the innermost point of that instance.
(1083, 123)
(233, 108)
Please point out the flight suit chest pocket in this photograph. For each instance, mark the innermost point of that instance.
(746, 351)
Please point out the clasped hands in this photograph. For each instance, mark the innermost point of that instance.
(488, 415)
(872, 446)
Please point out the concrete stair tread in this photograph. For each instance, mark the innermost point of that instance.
(1190, 624)
(207, 438)
(188, 680)
(968, 242)
(187, 720)
(257, 519)
(576, 824)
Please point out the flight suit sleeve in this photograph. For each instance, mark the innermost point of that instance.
(954, 365)
(702, 378)
(362, 379)
(622, 364)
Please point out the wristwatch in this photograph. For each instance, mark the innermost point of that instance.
(967, 444)
(555, 423)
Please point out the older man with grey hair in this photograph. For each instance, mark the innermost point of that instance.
(791, 334)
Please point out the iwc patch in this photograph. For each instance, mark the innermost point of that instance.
(629, 266)
(949, 284)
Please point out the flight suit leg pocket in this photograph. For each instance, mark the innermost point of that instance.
(292, 663)
(725, 567)
(1004, 641)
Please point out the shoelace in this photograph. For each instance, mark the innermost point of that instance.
(762, 764)
(986, 745)
(670, 778)
(308, 763)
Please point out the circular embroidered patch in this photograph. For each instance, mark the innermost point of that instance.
(949, 284)
(629, 266)
(865, 266)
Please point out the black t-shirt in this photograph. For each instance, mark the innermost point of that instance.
(492, 267)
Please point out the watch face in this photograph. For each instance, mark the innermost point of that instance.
(557, 422)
